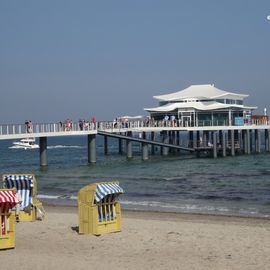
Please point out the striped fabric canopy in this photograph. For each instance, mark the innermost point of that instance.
(23, 184)
(107, 189)
(19, 181)
(7, 200)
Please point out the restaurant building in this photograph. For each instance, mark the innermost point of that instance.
(203, 105)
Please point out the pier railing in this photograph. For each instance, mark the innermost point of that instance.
(10, 129)
(113, 126)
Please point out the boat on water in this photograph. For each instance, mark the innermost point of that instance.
(27, 143)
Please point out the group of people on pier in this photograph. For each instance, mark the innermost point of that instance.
(67, 125)
(86, 125)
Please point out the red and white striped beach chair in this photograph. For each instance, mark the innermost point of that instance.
(7, 234)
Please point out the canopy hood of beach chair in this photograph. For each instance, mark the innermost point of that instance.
(8, 197)
(103, 190)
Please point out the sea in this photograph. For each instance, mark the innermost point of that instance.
(179, 182)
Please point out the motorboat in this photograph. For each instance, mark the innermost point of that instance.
(27, 143)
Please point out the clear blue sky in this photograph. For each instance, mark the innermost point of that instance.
(75, 59)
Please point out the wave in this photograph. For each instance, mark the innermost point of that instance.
(19, 147)
(56, 197)
(65, 146)
(44, 196)
(164, 207)
(192, 208)
(15, 147)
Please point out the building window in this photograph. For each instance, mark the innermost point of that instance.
(239, 102)
(220, 100)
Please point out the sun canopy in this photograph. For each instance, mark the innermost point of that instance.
(20, 182)
(8, 197)
(106, 189)
(127, 117)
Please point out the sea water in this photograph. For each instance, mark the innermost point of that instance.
(179, 182)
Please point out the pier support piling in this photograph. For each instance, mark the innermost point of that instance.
(205, 138)
(178, 139)
(43, 151)
(223, 136)
(120, 148)
(257, 141)
(267, 140)
(191, 139)
(248, 142)
(129, 146)
(105, 145)
(214, 135)
(245, 140)
(129, 149)
(251, 140)
(232, 143)
(268, 134)
(161, 136)
(91, 148)
(152, 146)
(240, 140)
(164, 139)
(144, 148)
(198, 143)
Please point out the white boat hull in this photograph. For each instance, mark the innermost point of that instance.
(25, 144)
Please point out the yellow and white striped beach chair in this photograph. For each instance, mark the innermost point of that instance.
(31, 208)
(99, 208)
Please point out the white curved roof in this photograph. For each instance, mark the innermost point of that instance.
(204, 91)
(201, 106)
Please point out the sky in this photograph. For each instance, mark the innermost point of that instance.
(64, 59)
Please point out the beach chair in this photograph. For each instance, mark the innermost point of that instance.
(31, 208)
(99, 208)
(7, 233)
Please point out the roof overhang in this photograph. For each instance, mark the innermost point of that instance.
(200, 92)
(199, 106)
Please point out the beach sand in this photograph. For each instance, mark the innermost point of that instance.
(148, 240)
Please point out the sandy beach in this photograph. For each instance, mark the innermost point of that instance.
(148, 240)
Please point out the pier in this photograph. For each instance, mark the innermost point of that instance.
(168, 136)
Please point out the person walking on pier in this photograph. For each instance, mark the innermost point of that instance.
(28, 126)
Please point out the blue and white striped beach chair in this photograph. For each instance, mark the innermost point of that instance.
(26, 186)
(99, 208)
